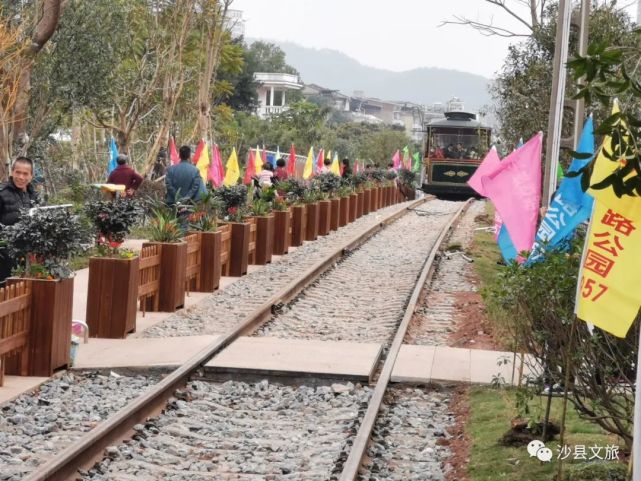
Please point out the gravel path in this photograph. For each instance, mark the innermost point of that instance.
(435, 318)
(226, 308)
(410, 438)
(364, 297)
(33, 428)
(240, 431)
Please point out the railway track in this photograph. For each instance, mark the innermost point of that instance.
(186, 427)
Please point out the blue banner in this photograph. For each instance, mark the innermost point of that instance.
(113, 156)
(570, 206)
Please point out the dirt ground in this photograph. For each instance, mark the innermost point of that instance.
(460, 442)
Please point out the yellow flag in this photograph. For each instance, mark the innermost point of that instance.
(258, 161)
(336, 168)
(232, 170)
(203, 163)
(611, 264)
(309, 164)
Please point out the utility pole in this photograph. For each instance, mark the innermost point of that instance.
(557, 99)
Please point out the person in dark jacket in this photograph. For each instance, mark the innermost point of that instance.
(15, 195)
(347, 169)
(125, 175)
(183, 180)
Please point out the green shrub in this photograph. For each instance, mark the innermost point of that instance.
(595, 472)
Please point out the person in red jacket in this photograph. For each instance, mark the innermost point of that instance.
(125, 175)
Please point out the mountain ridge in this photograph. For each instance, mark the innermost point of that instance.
(336, 70)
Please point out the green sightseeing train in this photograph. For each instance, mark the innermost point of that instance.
(455, 147)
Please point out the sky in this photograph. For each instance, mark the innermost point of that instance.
(391, 34)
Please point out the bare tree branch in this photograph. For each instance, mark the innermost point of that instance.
(490, 29)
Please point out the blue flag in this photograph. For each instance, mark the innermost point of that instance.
(570, 205)
(508, 251)
(113, 156)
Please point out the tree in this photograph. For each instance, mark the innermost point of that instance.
(521, 92)
(268, 57)
(13, 133)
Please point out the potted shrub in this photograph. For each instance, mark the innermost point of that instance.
(343, 192)
(328, 184)
(359, 179)
(261, 211)
(310, 199)
(112, 291)
(282, 226)
(407, 180)
(236, 215)
(204, 222)
(166, 231)
(43, 241)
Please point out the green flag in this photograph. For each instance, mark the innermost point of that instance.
(416, 167)
(559, 174)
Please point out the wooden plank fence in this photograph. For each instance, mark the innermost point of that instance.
(149, 278)
(192, 271)
(15, 314)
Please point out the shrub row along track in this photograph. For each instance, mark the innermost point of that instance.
(263, 431)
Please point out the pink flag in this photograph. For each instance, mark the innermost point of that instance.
(250, 168)
(291, 163)
(216, 170)
(515, 189)
(490, 163)
(397, 160)
(173, 153)
(320, 161)
(498, 223)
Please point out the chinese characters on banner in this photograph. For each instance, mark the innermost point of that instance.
(581, 452)
(610, 267)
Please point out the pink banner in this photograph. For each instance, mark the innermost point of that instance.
(515, 189)
(396, 159)
(216, 169)
(490, 163)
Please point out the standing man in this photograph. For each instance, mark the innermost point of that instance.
(183, 180)
(125, 175)
(15, 195)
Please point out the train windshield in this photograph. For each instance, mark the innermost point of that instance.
(458, 144)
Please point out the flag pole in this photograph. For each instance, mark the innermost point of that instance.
(636, 433)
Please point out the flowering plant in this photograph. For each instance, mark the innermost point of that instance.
(112, 220)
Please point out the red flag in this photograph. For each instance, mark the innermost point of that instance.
(199, 151)
(173, 153)
(250, 168)
(291, 164)
(320, 161)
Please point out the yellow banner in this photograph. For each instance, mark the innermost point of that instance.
(607, 294)
(232, 171)
(309, 164)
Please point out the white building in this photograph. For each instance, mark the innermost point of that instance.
(272, 92)
(235, 23)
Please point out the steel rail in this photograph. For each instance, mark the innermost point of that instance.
(90, 447)
(361, 441)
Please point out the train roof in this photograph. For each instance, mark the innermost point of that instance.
(457, 119)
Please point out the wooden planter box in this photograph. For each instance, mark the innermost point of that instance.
(239, 250)
(335, 215)
(353, 203)
(360, 204)
(112, 295)
(386, 196)
(173, 264)
(313, 220)
(211, 244)
(343, 216)
(282, 234)
(299, 224)
(264, 240)
(50, 326)
(367, 202)
(324, 217)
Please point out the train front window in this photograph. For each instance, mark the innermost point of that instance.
(450, 145)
